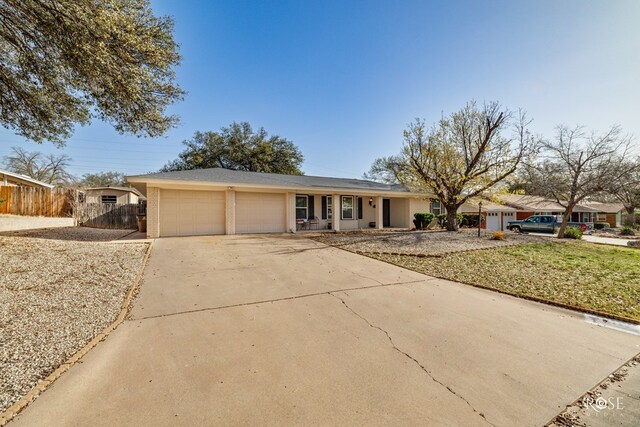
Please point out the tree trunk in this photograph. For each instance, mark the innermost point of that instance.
(565, 219)
(452, 222)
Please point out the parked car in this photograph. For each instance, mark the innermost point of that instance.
(546, 224)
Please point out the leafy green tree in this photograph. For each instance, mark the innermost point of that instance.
(238, 147)
(64, 62)
(461, 156)
(48, 168)
(103, 179)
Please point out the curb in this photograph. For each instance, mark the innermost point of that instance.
(25, 400)
(558, 419)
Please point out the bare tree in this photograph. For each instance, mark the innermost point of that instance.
(577, 164)
(48, 168)
(461, 156)
(626, 189)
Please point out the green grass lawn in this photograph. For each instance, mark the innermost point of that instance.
(580, 274)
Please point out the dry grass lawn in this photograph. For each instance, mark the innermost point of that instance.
(579, 274)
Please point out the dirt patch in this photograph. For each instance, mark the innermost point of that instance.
(423, 242)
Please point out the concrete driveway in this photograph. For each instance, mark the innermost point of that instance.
(272, 330)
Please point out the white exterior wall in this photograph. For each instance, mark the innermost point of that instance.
(418, 206)
(123, 197)
(368, 213)
(399, 212)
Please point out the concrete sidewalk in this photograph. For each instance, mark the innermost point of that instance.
(276, 330)
(605, 240)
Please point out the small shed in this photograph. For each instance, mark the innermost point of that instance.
(113, 195)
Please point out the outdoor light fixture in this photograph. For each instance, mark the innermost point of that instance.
(370, 201)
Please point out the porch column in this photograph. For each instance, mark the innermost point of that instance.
(290, 214)
(153, 212)
(379, 219)
(230, 212)
(336, 212)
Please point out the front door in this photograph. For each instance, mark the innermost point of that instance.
(386, 212)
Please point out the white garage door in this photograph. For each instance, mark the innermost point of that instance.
(190, 213)
(493, 221)
(260, 213)
(507, 216)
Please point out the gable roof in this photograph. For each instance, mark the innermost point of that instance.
(527, 202)
(234, 177)
(23, 178)
(605, 207)
(487, 206)
(126, 189)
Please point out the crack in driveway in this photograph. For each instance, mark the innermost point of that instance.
(393, 345)
(315, 294)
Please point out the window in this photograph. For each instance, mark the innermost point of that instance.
(347, 207)
(329, 207)
(436, 207)
(109, 199)
(301, 207)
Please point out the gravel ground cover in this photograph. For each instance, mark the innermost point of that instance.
(57, 292)
(422, 242)
(582, 275)
(80, 234)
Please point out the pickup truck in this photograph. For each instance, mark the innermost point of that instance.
(545, 224)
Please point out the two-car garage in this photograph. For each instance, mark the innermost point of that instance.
(194, 212)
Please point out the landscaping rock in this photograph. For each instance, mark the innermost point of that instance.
(55, 296)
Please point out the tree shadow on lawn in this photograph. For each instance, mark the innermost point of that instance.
(79, 234)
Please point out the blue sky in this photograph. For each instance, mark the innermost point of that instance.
(342, 79)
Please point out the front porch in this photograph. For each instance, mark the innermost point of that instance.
(342, 212)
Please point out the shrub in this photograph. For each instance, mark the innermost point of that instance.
(573, 233)
(498, 235)
(627, 231)
(470, 220)
(601, 225)
(422, 220)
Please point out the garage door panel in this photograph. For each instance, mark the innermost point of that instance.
(260, 213)
(188, 213)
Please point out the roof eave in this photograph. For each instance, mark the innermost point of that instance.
(139, 181)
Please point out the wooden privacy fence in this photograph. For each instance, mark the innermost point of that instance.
(103, 215)
(31, 201)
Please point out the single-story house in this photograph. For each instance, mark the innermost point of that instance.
(608, 212)
(527, 205)
(223, 201)
(496, 216)
(112, 195)
(12, 179)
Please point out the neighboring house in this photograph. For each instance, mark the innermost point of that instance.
(527, 205)
(496, 216)
(11, 179)
(608, 212)
(112, 195)
(223, 201)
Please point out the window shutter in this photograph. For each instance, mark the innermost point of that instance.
(324, 207)
(359, 207)
(312, 202)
